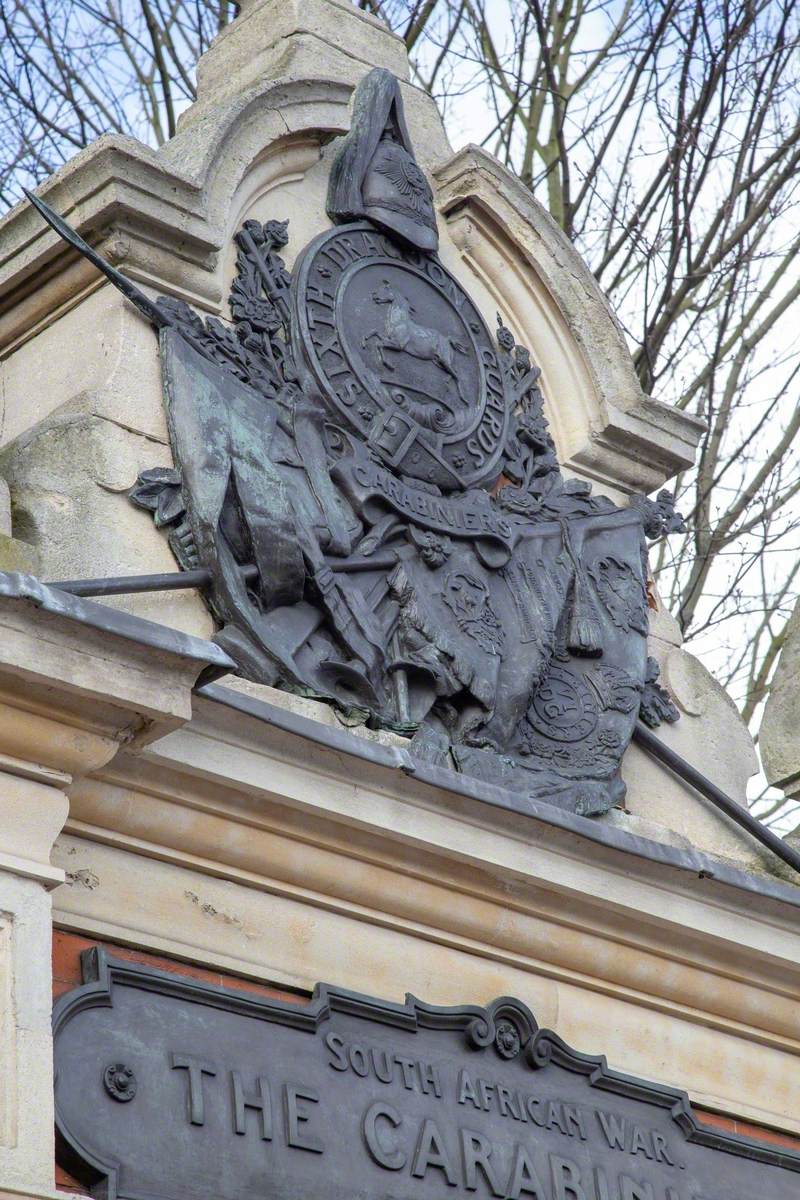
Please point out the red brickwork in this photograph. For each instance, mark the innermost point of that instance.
(67, 949)
(758, 1132)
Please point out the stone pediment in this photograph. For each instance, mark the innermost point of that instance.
(254, 137)
(255, 146)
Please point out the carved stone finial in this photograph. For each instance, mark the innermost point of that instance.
(375, 174)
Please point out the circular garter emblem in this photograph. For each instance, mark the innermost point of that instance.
(402, 354)
(563, 708)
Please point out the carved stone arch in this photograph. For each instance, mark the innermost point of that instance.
(604, 426)
(257, 143)
(272, 187)
(521, 295)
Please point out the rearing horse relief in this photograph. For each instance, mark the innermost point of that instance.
(402, 333)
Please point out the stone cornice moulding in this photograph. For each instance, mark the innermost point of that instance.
(553, 939)
(77, 679)
(119, 195)
(161, 216)
(242, 803)
(74, 686)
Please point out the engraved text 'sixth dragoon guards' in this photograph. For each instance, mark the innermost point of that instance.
(381, 462)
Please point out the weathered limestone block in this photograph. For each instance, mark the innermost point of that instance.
(99, 358)
(300, 38)
(15, 555)
(70, 475)
(780, 728)
(712, 736)
(82, 414)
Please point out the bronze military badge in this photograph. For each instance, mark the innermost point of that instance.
(367, 475)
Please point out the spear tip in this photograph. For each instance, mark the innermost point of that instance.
(129, 289)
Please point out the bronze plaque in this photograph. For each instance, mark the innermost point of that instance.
(173, 1089)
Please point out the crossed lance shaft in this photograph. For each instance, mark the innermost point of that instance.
(362, 638)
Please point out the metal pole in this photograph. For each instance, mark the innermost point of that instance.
(171, 581)
(123, 585)
(742, 816)
(146, 306)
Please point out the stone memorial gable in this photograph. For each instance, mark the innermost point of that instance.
(363, 396)
(257, 170)
(84, 416)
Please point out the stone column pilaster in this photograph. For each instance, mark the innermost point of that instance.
(33, 808)
(71, 692)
